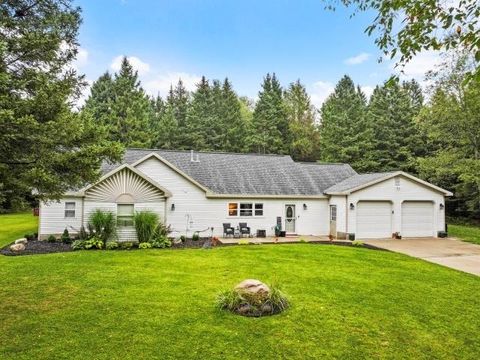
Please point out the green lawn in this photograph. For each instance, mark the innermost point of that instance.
(14, 226)
(468, 233)
(347, 303)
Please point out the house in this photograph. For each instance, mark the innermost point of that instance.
(198, 192)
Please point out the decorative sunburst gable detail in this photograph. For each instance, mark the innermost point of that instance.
(125, 185)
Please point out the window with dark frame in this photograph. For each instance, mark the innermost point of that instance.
(70, 209)
(245, 209)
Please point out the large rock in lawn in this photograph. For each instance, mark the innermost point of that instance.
(21, 241)
(253, 290)
(17, 247)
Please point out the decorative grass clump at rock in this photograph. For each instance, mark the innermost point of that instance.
(253, 298)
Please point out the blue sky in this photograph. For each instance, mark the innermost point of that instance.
(240, 39)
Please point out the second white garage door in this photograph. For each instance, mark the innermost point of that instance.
(374, 219)
(417, 219)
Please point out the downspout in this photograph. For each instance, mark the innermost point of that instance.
(165, 207)
(346, 216)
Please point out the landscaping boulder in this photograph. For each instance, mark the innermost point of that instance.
(17, 247)
(253, 290)
(21, 241)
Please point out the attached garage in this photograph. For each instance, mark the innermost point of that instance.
(374, 219)
(417, 219)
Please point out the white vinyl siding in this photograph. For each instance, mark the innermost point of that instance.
(417, 219)
(374, 219)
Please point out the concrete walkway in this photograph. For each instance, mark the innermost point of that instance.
(448, 252)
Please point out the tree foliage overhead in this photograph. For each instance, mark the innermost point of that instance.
(406, 27)
(44, 146)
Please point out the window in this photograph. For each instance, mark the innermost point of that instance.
(245, 209)
(233, 209)
(125, 214)
(397, 183)
(70, 209)
(333, 212)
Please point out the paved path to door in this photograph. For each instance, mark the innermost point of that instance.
(448, 252)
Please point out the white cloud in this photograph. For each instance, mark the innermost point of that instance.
(355, 60)
(161, 84)
(419, 65)
(319, 92)
(82, 57)
(137, 64)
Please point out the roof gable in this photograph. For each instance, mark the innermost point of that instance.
(362, 181)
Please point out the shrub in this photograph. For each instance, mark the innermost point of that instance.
(243, 242)
(302, 240)
(52, 239)
(161, 242)
(146, 223)
(195, 236)
(93, 243)
(104, 224)
(111, 245)
(145, 245)
(238, 303)
(66, 237)
(82, 234)
(29, 237)
(358, 243)
(78, 245)
(183, 238)
(125, 245)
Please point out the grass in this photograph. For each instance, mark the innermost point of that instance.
(14, 226)
(470, 233)
(346, 303)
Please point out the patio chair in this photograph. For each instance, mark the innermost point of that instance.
(228, 230)
(244, 229)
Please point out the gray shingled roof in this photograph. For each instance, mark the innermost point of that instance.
(355, 181)
(249, 174)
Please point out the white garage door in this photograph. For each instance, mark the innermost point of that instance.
(417, 218)
(374, 219)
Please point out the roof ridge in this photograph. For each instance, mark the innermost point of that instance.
(208, 152)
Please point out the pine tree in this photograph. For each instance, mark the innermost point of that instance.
(122, 105)
(396, 138)
(179, 100)
(199, 117)
(269, 131)
(301, 121)
(344, 132)
(234, 124)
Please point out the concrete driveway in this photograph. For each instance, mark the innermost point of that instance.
(448, 252)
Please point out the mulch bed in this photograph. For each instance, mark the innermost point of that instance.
(33, 247)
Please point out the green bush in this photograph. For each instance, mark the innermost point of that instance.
(29, 237)
(78, 245)
(145, 245)
(146, 223)
(111, 245)
(125, 245)
(242, 304)
(302, 240)
(183, 238)
(104, 224)
(243, 242)
(93, 243)
(161, 242)
(52, 239)
(195, 236)
(358, 243)
(66, 237)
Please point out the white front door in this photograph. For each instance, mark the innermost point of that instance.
(290, 219)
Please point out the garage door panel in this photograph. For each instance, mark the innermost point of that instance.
(417, 219)
(374, 219)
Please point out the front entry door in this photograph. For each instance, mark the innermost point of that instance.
(333, 220)
(290, 219)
